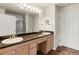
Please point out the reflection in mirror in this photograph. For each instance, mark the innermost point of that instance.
(24, 23)
(20, 22)
(7, 25)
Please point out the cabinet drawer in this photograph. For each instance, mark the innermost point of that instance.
(22, 50)
(40, 40)
(33, 48)
(33, 51)
(33, 45)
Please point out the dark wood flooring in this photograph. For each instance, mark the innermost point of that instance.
(62, 51)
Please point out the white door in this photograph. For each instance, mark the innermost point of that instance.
(70, 29)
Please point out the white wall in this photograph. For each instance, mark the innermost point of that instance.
(69, 26)
(57, 26)
(41, 20)
(47, 14)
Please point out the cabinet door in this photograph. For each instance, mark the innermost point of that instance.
(52, 41)
(49, 43)
(23, 50)
(19, 49)
(46, 46)
(11, 52)
(33, 49)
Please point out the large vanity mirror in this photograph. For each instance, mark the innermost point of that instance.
(7, 25)
(13, 23)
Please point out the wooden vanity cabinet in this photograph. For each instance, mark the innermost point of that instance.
(23, 50)
(47, 45)
(8, 51)
(49, 42)
(42, 39)
(33, 48)
(19, 49)
(11, 52)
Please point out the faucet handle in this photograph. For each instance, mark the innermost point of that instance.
(14, 35)
(9, 36)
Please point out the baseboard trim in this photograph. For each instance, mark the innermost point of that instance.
(70, 47)
(54, 48)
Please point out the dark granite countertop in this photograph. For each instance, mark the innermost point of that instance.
(27, 37)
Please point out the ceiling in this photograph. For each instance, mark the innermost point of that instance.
(15, 6)
(42, 5)
(63, 4)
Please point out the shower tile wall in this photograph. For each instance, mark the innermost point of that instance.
(20, 25)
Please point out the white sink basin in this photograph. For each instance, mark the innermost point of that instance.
(12, 41)
(45, 33)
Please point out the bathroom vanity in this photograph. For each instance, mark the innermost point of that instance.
(30, 45)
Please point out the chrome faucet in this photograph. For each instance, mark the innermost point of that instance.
(12, 36)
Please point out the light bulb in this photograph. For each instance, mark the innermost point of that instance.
(21, 7)
(30, 8)
(24, 5)
(39, 11)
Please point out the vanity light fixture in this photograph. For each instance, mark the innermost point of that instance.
(30, 8)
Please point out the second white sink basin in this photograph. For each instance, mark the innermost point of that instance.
(12, 41)
(45, 33)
